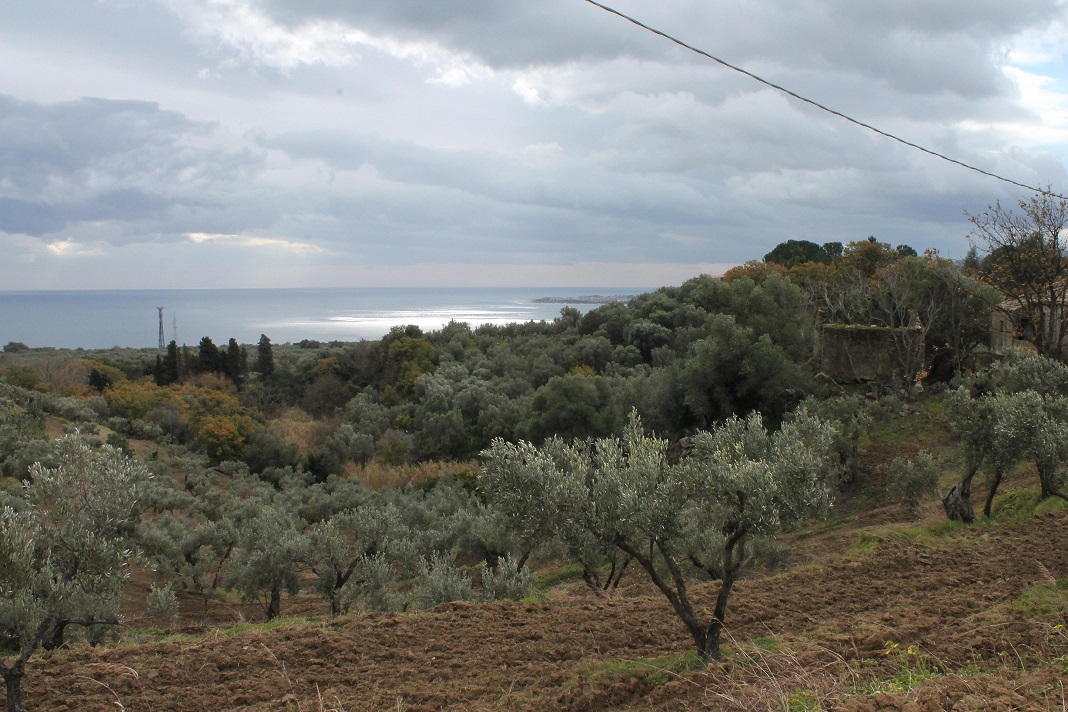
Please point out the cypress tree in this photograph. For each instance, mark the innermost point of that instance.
(264, 358)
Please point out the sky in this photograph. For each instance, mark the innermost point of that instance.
(335, 143)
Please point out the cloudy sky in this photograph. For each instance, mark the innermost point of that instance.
(243, 143)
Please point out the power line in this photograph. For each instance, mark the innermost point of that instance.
(818, 105)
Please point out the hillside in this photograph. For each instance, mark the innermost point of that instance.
(985, 608)
(344, 477)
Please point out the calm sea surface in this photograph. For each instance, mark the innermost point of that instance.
(102, 319)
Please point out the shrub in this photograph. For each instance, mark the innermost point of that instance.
(507, 581)
(162, 602)
(438, 581)
(910, 481)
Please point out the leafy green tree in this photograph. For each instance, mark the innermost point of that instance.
(507, 581)
(868, 256)
(24, 377)
(731, 372)
(99, 380)
(438, 581)
(324, 395)
(647, 336)
(741, 485)
(191, 541)
(932, 295)
(64, 551)
(574, 405)
(266, 449)
(190, 550)
(609, 321)
(407, 357)
(796, 252)
(911, 480)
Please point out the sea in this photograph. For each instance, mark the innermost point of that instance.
(102, 319)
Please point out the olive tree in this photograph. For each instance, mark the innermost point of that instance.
(64, 549)
(1017, 411)
(707, 514)
(271, 546)
(348, 553)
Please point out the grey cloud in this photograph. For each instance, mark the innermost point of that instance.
(592, 140)
(105, 160)
(505, 35)
(23, 216)
(38, 141)
(565, 183)
(952, 42)
(38, 219)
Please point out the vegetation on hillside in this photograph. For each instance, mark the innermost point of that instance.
(672, 438)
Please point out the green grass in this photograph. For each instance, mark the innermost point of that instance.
(655, 672)
(1044, 599)
(867, 542)
(804, 701)
(1053, 504)
(1015, 505)
(914, 667)
(766, 644)
(565, 573)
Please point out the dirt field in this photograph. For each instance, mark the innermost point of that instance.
(810, 638)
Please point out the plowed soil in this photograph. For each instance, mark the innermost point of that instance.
(820, 636)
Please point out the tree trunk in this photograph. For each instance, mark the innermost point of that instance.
(708, 644)
(275, 604)
(676, 595)
(1046, 473)
(993, 490)
(958, 501)
(734, 560)
(13, 683)
(55, 636)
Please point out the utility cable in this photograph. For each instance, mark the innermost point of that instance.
(820, 106)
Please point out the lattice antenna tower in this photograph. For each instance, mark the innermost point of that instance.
(161, 337)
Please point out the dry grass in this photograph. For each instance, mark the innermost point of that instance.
(295, 427)
(380, 476)
(788, 676)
